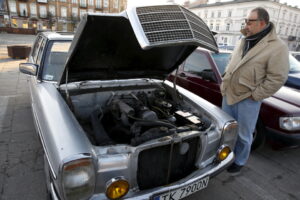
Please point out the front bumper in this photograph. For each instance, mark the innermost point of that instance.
(283, 138)
(197, 175)
(147, 194)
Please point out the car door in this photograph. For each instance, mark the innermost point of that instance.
(199, 75)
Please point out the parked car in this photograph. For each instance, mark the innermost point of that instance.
(111, 126)
(296, 54)
(279, 117)
(293, 80)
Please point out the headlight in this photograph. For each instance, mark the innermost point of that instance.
(78, 179)
(117, 188)
(229, 134)
(290, 123)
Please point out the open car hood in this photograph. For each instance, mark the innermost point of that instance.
(143, 42)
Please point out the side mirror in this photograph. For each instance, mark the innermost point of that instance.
(28, 68)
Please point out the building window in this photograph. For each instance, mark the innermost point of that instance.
(23, 9)
(105, 4)
(52, 10)
(82, 12)
(286, 31)
(292, 32)
(225, 40)
(75, 12)
(244, 12)
(63, 0)
(229, 13)
(12, 7)
(291, 16)
(25, 25)
(219, 13)
(205, 14)
(280, 30)
(116, 4)
(242, 25)
(91, 2)
(74, 1)
(43, 11)
(83, 3)
(217, 27)
(283, 14)
(211, 26)
(33, 9)
(212, 15)
(227, 27)
(98, 3)
(63, 11)
(295, 18)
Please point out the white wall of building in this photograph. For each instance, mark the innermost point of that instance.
(228, 18)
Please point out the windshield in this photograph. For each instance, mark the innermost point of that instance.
(55, 59)
(221, 59)
(294, 64)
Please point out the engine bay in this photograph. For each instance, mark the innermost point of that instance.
(139, 116)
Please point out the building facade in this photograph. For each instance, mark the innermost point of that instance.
(227, 19)
(60, 15)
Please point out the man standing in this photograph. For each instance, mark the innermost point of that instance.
(258, 68)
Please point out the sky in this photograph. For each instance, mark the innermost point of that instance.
(157, 2)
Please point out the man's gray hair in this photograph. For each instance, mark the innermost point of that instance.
(262, 14)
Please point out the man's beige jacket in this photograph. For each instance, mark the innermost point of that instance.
(260, 73)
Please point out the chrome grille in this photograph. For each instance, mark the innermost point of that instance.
(161, 26)
(149, 18)
(165, 24)
(165, 164)
(145, 10)
(169, 35)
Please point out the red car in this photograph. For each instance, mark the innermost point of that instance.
(279, 117)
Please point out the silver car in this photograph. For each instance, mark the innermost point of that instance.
(111, 125)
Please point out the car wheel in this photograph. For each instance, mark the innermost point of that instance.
(47, 179)
(259, 136)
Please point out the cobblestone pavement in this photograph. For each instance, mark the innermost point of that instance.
(269, 174)
(21, 160)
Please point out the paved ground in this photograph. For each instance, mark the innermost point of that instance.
(269, 175)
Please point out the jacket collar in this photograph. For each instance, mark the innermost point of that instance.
(260, 46)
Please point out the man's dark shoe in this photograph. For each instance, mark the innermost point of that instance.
(234, 169)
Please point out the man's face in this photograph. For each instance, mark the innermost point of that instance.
(253, 24)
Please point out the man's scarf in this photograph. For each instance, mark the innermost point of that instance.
(252, 40)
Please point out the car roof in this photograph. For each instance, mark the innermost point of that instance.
(58, 35)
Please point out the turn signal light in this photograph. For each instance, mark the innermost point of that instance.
(117, 188)
(223, 153)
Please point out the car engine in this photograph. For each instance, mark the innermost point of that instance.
(136, 118)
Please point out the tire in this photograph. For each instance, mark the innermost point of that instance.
(259, 136)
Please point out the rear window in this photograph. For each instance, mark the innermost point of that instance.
(55, 60)
(197, 62)
(221, 59)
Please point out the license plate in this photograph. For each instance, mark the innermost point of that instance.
(184, 191)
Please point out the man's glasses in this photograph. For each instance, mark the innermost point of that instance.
(248, 21)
